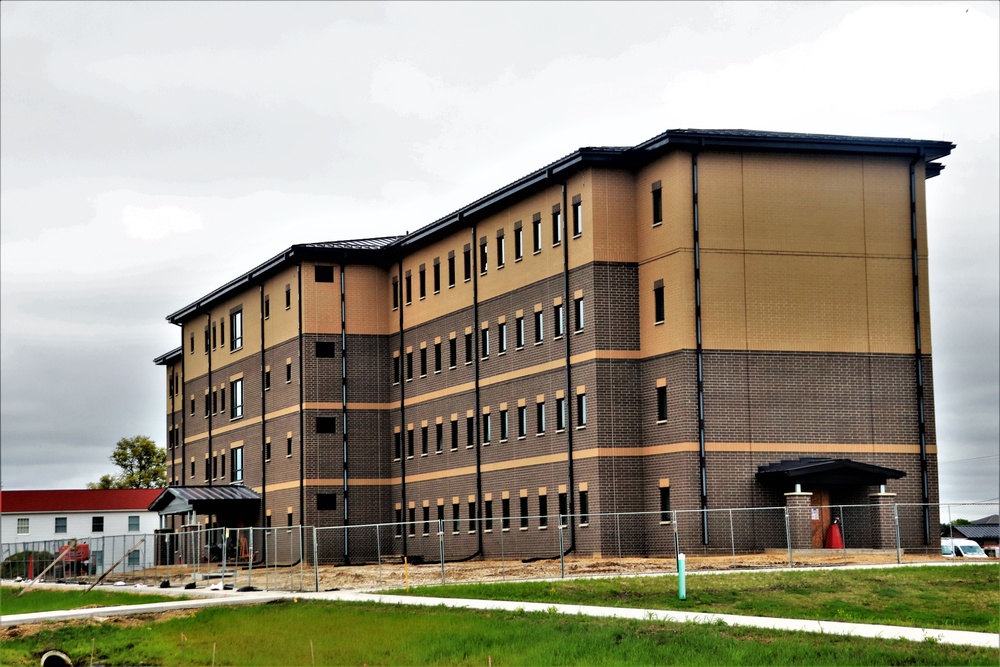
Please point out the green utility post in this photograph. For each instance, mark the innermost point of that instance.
(681, 577)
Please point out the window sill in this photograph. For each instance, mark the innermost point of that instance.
(538, 435)
(468, 363)
(656, 324)
(410, 457)
(560, 430)
(661, 421)
(537, 252)
(521, 437)
(423, 455)
(488, 530)
(486, 444)
(484, 358)
(539, 342)
(543, 528)
(503, 440)
(657, 224)
(666, 523)
(500, 266)
(469, 446)
(288, 456)
(578, 235)
(505, 530)
(437, 372)
(584, 525)
(440, 451)
(523, 528)
(423, 375)
(422, 298)
(500, 354)
(557, 244)
(437, 291)
(518, 259)
(557, 337)
(578, 331)
(581, 428)
(452, 367)
(519, 347)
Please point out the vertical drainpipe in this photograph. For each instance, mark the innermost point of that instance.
(263, 414)
(302, 418)
(476, 415)
(570, 394)
(208, 351)
(184, 406)
(343, 398)
(698, 352)
(918, 351)
(402, 399)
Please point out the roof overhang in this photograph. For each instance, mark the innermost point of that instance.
(824, 472)
(205, 500)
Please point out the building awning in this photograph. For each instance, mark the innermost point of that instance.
(825, 472)
(205, 500)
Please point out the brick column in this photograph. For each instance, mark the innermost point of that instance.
(799, 519)
(883, 523)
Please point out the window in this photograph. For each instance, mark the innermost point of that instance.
(440, 519)
(133, 524)
(536, 233)
(519, 332)
(288, 372)
(192, 343)
(543, 512)
(423, 440)
(324, 274)
(213, 335)
(423, 362)
(437, 357)
(291, 519)
(455, 518)
(664, 504)
(518, 241)
(502, 338)
(222, 399)
(657, 203)
(483, 255)
(584, 508)
(409, 288)
(192, 469)
(267, 306)
(326, 424)
(556, 225)
(437, 275)
(409, 366)
(467, 258)
(468, 347)
(578, 311)
(470, 432)
(472, 516)
(577, 216)
(540, 414)
(288, 446)
(422, 280)
(60, 524)
(97, 524)
(215, 401)
(454, 434)
(524, 512)
(267, 449)
(395, 293)
(661, 403)
(288, 297)
(557, 315)
(215, 466)
(485, 343)
(326, 349)
(486, 428)
(658, 308)
(22, 525)
(398, 451)
(505, 508)
(409, 442)
(451, 269)
(427, 519)
(560, 414)
(581, 410)
(399, 522)
(237, 466)
(236, 392)
(396, 368)
(563, 509)
(236, 330)
(504, 430)
(539, 326)
(207, 340)
(501, 251)
(452, 352)
(412, 521)
(488, 510)
(133, 558)
(439, 437)
(522, 421)
(326, 501)
(267, 379)
(208, 404)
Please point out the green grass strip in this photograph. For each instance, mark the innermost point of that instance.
(943, 597)
(45, 599)
(369, 634)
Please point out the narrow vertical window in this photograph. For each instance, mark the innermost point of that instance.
(472, 516)
(501, 251)
(657, 203)
(560, 414)
(267, 380)
(519, 332)
(409, 442)
(467, 257)
(395, 293)
(237, 465)
(288, 372)
(504, 431)
(501, 338)
(451, 268)
(412, 528)
(423, 362)
(437, 357)
(505, 508)
(470, 432)
(439, 440)
(556, 225)
(452, 352)
(437, 275)
(455, 518)
(661, 403)
(483, 255)
(422, 281)
(440, 518)
(543, 511)
(236, 393)
(563, 509)
(423, 440)
(468, 347)
(524, 512)
(427, 520)
(539, 326)
(485, 342)
(577, 216)
(536, 233)
(288, 297)
(454, 434)
(518, 241)
(540, 414)
(487, 431)
(399, 522)
(409, 366)
(396, 368)
(408, 281)
(267, 306)
(288, 446)
(664, 504)
(658, 306)
(578, 314)
(398, 450)
(236, 330)
(213, 336)
(581, 410)
(522, 421)
(557, 318)
(488, 511)
(584, 508)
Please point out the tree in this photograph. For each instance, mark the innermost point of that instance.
(143, 465)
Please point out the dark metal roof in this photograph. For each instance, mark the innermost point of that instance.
(992, 519)
(168, 357)
(387, 249)
(198, 498)
(824, 471)
(976, 532)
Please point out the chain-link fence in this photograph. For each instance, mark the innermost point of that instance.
(444, 547)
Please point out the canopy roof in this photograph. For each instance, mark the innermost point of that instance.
(826, 472)
(205, 500)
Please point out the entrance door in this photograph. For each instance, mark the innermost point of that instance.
(820, 517)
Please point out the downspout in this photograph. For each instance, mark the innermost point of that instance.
(302, 418)
(569, 373)
(477, 416)
(343, 399)
(699, 355)
(918, 351)
(402, 400)
(208, 351)
(263, 414)
(184, 400)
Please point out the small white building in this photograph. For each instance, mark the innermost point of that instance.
(110, 521)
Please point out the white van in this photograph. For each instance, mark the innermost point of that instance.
(951, 547)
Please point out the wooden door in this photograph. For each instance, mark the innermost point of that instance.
(820, 517)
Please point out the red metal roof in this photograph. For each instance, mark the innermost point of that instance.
(77, 500)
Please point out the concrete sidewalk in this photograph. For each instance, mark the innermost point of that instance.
(961, 637)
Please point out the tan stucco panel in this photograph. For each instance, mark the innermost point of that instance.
(677, 330)
(723, 311)
(320, 301)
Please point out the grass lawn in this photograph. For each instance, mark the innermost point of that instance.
(45, 599)
(945, 597)
(368, 634)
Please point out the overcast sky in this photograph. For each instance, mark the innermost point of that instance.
(153, 151)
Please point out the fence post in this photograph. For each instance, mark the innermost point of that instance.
(843, 533)
(250, 564)
(302, 558)
(732, 536)
(441, 545)
(788, 539)
(562, 553)
(316, 557)
(677, 544)
(899, 546)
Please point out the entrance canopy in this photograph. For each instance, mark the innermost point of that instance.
(220, 500)
(825, 472)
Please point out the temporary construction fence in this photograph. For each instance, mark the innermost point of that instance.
(446, 549)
